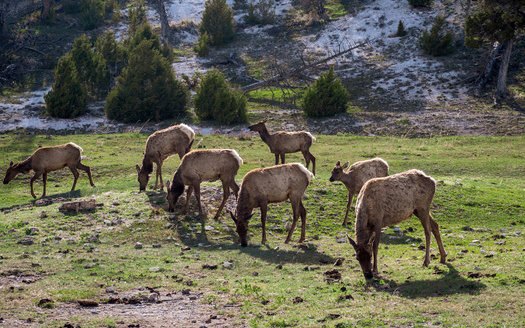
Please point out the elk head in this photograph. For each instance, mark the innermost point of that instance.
(363, 253)
(337, 171)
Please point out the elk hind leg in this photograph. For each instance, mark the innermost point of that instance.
(75, 175)
(435, 231)
(295, 209)
(225, 195)
(424, 217)
(86, 169)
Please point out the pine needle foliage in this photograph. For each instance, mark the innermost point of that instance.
(326, 97)
(437, 41)
(67, 98)
(215, 100)
(217, 21)
(147, 88)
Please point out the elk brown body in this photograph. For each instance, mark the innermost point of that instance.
(282, 142)
(272, 185)
(357, 175)
(162, 144)
(387, 201)
(48, 159)
(204, 165)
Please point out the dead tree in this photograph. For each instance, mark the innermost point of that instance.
(298, 72)
(164, 22)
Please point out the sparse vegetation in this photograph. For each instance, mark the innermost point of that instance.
(479, 192)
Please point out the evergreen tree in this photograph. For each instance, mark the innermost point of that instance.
(326, 97)
(67, 98)
(437, 41)
(91, 67)
(215, 100)
(217, 22)
(497, 20)
(147, 89)
(92, 13)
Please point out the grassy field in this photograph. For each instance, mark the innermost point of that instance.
(479, 205)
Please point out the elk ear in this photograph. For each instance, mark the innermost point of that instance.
(338, 163)
(168, 185)
(248, 217)
(372, 238)
(264, 121)
(345, 165)
(11, 164)
(138, 168)
(351, 242)
(233, 216)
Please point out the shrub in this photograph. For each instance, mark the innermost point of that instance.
(420, 3)
(202, 48)
(67, 98)
(401, 29)
(437, 42)
(147, 89)
(325, 97)
(263, 12)
(217, 21)
(92, 12)
(216, 100)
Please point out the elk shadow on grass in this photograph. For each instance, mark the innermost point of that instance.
(198, 235)
(450, 283)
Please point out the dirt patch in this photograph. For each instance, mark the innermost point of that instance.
(168, 309)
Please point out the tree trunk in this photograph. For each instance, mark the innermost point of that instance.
(46, 8)
(502, 91)
(487, 73)
(164, 22)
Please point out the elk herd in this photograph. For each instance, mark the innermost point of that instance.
(382, 200)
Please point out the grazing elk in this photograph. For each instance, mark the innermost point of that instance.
(47, 159)
(356, 176)
(176, 139)
(387, 201)
(282, 142)
(204, 165)
(272, 185)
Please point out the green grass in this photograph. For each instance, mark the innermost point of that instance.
(480, 196)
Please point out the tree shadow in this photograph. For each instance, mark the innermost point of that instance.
(450, 283)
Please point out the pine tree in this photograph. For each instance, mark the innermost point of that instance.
(217, 21)
(147, 89)
(67, 98)
(215, 100)
(326, 97)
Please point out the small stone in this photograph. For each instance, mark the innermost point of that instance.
(157, 245)
(227, 265)
(138, 245)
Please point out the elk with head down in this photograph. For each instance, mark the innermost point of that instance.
(356, 176)
(387, 201)
(272, 185)
(48, 159)
(282, 142)
(176, 139)
(204, 165)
